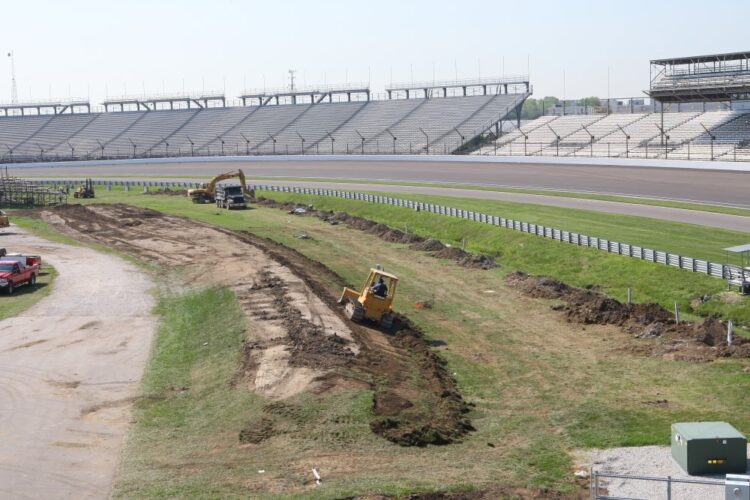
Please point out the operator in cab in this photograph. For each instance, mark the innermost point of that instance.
(380, 289)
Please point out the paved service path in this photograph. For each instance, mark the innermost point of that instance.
(70, 367)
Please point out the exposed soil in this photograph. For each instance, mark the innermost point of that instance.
(298, 338)
(168, 192)
(699, 342)
(391, 235)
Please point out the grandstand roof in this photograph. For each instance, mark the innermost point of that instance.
(729, 56)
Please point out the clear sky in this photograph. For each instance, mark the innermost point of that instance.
(95, 48)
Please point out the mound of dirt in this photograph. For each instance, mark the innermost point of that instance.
(466, 259)
(168, 192)
(698, 342)
(542, 287)
(429, 245)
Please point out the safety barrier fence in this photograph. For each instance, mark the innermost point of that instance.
(734, 274)
(673, 487)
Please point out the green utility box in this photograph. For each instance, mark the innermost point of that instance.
(709, 448)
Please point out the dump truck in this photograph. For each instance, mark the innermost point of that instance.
(374, 301)
(229, 197)
(208, 193)
(14, 274)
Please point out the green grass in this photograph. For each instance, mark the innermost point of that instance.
(25, 296)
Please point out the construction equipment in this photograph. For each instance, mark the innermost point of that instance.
(85, 190)
(4, 221)
(208, 194)
(372, 303)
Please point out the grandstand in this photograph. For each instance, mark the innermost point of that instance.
(697, 81)
(297, 121)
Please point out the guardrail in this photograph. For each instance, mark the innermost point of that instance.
(597, 489)
(734, 274)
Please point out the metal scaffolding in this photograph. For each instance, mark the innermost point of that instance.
(16, 192)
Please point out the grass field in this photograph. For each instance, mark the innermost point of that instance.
(542, 387)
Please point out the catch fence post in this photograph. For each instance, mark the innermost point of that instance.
(630, 295)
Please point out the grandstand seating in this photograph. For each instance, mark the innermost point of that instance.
(257, 129)
(447, 122)
(687, 137)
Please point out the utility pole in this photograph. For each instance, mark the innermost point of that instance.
(13, 87)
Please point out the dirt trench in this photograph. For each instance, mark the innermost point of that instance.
(298, 338)
(660, 336)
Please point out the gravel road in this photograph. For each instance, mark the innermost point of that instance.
(652, 461)
(70, 367)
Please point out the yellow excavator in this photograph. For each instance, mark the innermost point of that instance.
(208, 193)
(374, 302)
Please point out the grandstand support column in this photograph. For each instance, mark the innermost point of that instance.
(484, 89)
(389, 95)
(464, 89)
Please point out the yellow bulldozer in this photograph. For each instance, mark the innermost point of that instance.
(374, 302)
(208, 193)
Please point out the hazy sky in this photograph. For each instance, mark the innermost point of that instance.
(79, 48)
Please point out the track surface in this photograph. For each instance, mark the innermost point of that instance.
(717, 187)
(69, 369)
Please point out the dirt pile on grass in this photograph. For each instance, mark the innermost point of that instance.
(168, 192)
(391, 235)
(701, 341)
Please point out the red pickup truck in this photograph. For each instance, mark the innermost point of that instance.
(13, 274)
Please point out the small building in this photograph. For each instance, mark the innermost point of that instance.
(709, 448)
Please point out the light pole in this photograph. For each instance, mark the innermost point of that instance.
(394, 139)
(361, 138)
(713, 138)
(101, 148)
(301, 139)
(221, 139)
(427, 146)
(274, 141)
(460, 135)
(665, 139)
(247, 144)
(166, 147)
(627, 141)
(41, 151)
(332, 140)
(192, 144)
(592, 140)
(72, 151)
(134, 146)
(557, 141)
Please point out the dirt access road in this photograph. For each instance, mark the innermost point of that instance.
(70, 367)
